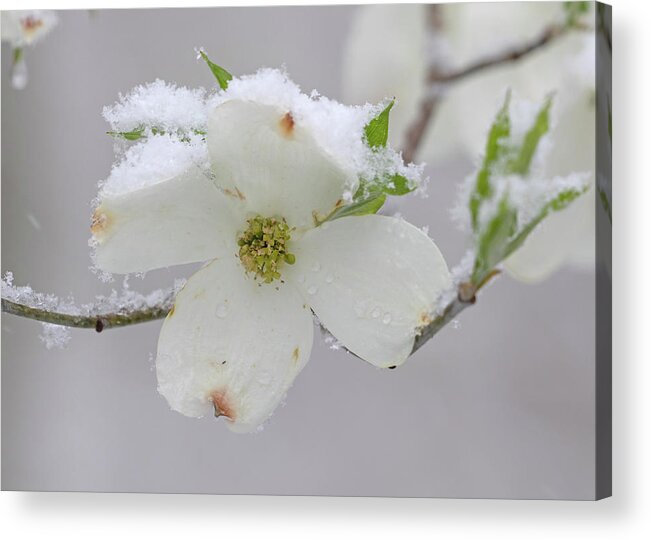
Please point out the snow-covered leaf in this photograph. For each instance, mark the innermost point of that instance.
(495, 149)
(521, 162)
(559, 202)
(377, 130)
(493, 240)
(142, 132)
(132, 135)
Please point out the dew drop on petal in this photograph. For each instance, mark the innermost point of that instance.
(375, 313)
(221, 311)
(387, 318)
(360, 308)
(301, 278)
(311, 290)
(316, 266)
(329, 278)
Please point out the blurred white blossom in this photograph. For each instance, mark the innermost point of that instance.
(20, 29)
(388, 54)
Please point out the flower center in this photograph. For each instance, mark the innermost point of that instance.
(263, 247)
(31, 24)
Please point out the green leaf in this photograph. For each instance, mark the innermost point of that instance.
(223, 77)
(574, 11)
(132, 135)
(397, 185)
(522, 161)
(376, 133)
(495, 150)
(377, 130)
(139, 133)
(18, 54)
(369, 205)
(605, 203)
(561, 201)
(493, 241)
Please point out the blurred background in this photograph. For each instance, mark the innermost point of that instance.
(499, 405)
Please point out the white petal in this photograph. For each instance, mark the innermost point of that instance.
(232, 344)
(181, 220)
(373, 281)
(262, 155)
(563, 237)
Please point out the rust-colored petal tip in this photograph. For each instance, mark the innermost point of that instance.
(222, 405)
(100, 222)
(286, 125)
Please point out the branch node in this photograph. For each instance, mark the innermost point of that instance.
(467, 293)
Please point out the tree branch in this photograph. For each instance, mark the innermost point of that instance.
(438, 79)
(449, 314)
(99, 321)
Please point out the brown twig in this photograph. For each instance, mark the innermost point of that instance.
(416, 130)
(438, 79)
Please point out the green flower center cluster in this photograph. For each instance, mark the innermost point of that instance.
(263, 247)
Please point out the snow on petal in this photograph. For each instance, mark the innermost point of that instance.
(373, 281)
(232, 346)
(262, 155)
(180, 219)
(155, 159)
(161, 105)
(337, 129)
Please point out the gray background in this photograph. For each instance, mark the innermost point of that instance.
(502, 406)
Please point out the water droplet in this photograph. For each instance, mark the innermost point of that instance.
(316, 266)
(361, 308)
(375, 313)
(301, 278)
(19, 75)
(311, 290)
(387, 318)
(329, 278)
(221, 311)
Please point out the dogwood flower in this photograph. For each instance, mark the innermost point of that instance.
(249, 189)
(469, 32)
(22, 28)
